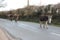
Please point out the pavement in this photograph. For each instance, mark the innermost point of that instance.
(22, 30)
(3, 35)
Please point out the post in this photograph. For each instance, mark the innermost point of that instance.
(49, 18)
(28, 3)
(50, 15)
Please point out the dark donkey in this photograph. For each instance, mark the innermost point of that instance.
(43, 19)
(10, 16)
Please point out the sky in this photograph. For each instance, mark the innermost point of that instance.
(14, 4)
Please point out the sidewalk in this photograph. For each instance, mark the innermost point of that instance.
(3, 36)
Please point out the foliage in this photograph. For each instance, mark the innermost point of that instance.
(31, 15)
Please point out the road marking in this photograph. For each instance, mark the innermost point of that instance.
(55, 34)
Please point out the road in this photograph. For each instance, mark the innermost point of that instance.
(22, 30)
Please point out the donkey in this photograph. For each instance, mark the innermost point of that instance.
(10, 16)
(43, 19)
(16, 17)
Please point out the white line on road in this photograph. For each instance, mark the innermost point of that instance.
(55, 34)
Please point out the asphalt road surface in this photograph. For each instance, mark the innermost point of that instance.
(22, 30)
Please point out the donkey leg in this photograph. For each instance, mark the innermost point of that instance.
(40, 24)
(43, 24)
(16, 19)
